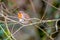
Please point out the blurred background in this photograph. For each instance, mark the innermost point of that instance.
(44, 17)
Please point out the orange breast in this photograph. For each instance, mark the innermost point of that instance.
(19, 15)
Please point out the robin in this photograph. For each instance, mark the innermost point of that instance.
(23, 17)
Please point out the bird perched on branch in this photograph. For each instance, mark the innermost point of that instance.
(23, 17)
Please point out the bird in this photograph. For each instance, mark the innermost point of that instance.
(23, 17)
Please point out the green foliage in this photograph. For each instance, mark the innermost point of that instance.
(2, 33)
(42, 34)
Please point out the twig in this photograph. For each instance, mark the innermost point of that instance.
(44, 32)
(51, 5)
(8, 29)
(33, 7)
(12, 28)
(5, 32)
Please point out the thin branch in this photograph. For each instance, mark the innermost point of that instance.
(44, 32)
(33, 7)
(51, 5)
(8, 29)
(56, 26)
(12, 28)
(5, 32)
(36, 23)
